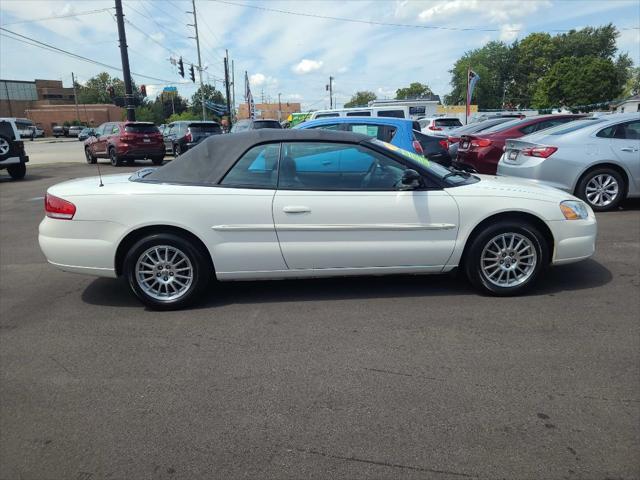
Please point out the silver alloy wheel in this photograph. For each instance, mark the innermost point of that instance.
(164, 272)
(4, 146)
(602, 190)
(508, 259)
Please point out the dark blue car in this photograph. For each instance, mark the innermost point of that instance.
(401, 132)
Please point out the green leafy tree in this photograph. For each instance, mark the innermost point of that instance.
(578, 81)
(632, 87)
(494, 64)
(361, 99)
(210, 93)
(186, 115)
(414, 90)
(95, 89)
(532, 59)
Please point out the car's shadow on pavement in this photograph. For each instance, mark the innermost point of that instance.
(579, 276)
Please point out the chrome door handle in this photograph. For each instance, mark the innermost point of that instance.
(296, 209)
(629, 149)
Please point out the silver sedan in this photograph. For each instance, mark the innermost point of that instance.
(597, 159)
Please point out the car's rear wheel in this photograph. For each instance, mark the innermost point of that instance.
(89, 156)
(166, 271)
(177, 150)
(506, 258)
(603, 189)
(5, 147)
(17, 171)
(113, 156)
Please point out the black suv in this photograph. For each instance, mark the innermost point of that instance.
(12, 154)
(183, 135)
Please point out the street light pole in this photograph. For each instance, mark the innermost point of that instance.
(195, 26)
(279, 108)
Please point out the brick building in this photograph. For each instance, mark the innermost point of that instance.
(91, 115)
(16, 96)
(269, 110)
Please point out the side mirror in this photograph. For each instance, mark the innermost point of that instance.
(410, 180)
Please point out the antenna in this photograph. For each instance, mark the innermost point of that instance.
(99, 175)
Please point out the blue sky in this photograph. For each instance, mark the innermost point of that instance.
(291, 54)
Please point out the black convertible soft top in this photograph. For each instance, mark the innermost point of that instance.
(210, 160)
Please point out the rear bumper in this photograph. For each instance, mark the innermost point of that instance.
(557, 174)
(78, 246)
(483, 160)
(131, 151)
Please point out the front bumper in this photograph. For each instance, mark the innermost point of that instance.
(575, 240)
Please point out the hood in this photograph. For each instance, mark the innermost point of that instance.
(511, 187)
(88, 185)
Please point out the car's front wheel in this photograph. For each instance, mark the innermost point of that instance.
(89, 156)
(17, 171)
(167, 271)
(602, 189)
(506, 258)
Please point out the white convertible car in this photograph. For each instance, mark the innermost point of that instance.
(271, 204)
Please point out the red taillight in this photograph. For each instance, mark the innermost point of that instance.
(433, 127)
(126, 138)
(453, 140)
(480, 142)
(540, 152)
(444, 144)
(58, 208)
(417, 147)
(188, 136)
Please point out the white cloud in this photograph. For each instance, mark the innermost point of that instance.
(307, 66)
(510, 31)
(262, 80)
(494, 11)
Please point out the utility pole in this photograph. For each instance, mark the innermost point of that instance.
(226, 84)
(195, 26)
(122, 37)
(330, 89)
(279, 108)
(233, 85)
(75, 96)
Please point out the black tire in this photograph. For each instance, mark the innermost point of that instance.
(113, 156)
(157, 160)
(89, 157)
(591, 178)
(473, 260)
(17, 171)
(131, 161)
(200, 264)
(177, 150)
(5, 147)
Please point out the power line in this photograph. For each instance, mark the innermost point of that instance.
(388, 24)
(53, 48)
(89, 12)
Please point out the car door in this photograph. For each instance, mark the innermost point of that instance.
(99, 145)
(625, 144)
(167, 136)
(340, 206)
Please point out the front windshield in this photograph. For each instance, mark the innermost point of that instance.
(438, 170)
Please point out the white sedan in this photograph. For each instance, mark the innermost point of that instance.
(271, 204)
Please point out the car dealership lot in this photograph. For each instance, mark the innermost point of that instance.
(396, 377)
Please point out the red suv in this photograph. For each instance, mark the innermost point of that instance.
(481, 152)
(120, 141)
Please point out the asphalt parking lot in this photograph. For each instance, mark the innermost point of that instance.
(397, 377)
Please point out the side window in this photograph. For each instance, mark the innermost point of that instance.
(529, 128)
(257, 168)
(326, 115)
(328, 126)
(628, 131)
(607, 132)
(391, 113)
(100, 130)
(358, 114)
(381, 132)
(334, 166)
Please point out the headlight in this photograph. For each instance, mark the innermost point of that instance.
(574, 210)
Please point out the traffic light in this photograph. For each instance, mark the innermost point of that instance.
(143, 90)
(181, 67)
(192, 74)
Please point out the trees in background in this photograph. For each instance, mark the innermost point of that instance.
(209, 92)
(361, 99)
(415, 90)
(579, 67)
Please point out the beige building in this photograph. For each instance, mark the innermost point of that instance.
(269, 110)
